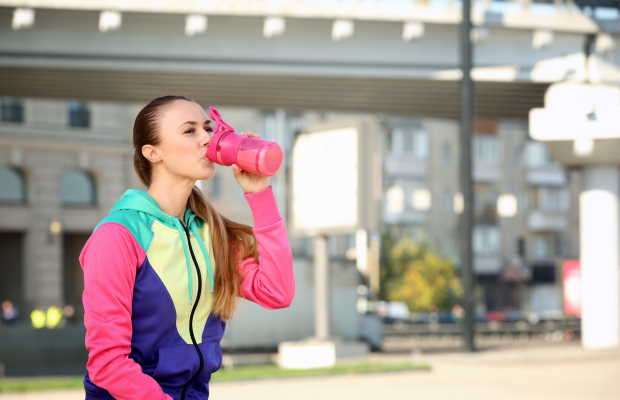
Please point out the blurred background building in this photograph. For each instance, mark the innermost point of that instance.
(73, 76)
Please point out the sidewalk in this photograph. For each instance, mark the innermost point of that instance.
(552, 372)
(562, 372)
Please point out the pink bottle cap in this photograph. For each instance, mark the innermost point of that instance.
(220, 130)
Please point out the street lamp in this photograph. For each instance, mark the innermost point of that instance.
(109, 21)
(195, 24)
(54, 230)
(23, 18)
(273, 26)
(412, 30)
(342, 29)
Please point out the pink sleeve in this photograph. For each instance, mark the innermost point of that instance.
(268, 281)
(109, 261)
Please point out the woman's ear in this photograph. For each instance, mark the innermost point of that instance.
(151, 153)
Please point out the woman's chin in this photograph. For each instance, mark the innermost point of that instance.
(208, 173)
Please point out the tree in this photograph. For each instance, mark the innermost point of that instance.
(412, 273)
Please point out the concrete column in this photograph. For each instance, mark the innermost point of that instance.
(321, 288)
(43, 258)
(43, 265)
(599, 250)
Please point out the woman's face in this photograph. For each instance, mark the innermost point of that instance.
(185, 133)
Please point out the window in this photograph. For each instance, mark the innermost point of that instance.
(541, 247)
(521, 249)
(78, 189)
(561, 246)
(486, 148)
(395, 199)
(446, 200)
(543, 272)
(537, 154)
(79, 114)
(13, 187)
(420, 144)
(11, 110)
(407, 195)
(446, 153)
(407, 140)
(553, 199)
(410, 142)
(398, 145)
(486, 239)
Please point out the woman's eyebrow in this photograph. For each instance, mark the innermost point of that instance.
(207, 121)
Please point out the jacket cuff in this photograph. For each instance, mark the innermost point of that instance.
(264, 207)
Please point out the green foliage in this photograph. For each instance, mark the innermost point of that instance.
(412, 273)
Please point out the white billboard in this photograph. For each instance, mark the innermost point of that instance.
(336, 179)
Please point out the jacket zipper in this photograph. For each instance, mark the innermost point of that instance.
(191, 316)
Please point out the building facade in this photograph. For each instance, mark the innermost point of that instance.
(526, 219)
(64, 163)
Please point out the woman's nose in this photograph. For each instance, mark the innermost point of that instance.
(206, 138)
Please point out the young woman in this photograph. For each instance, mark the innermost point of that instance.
(163, 270)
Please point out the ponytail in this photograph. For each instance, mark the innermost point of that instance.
(232, 242)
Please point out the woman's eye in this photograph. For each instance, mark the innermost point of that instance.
(189, 131)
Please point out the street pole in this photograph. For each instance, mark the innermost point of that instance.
(466, 218)
(322, 326)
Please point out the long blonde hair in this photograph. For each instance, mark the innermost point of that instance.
(231, 241)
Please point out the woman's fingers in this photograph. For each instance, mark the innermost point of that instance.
(250, 134)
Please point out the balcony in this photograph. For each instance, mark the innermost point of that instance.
(547, 221)
(487, 263)
(486, 171)
(405, 166)
(408, 216)
(548, 175)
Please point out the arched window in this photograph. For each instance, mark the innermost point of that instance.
(13, 186)
(78, 189)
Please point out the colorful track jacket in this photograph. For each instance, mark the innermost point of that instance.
(148, 295)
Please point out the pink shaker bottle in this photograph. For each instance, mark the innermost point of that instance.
(258, 156)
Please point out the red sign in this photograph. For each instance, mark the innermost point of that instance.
(571, 278)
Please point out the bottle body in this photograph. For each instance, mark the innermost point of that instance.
(258, 156)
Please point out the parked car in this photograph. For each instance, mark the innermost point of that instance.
(393, 311)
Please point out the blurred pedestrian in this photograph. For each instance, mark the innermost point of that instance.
(53, 318)
(69, 314)
(37, 317)
(10, 314)
(457, 312)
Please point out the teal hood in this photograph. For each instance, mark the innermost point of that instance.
(140, 200)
